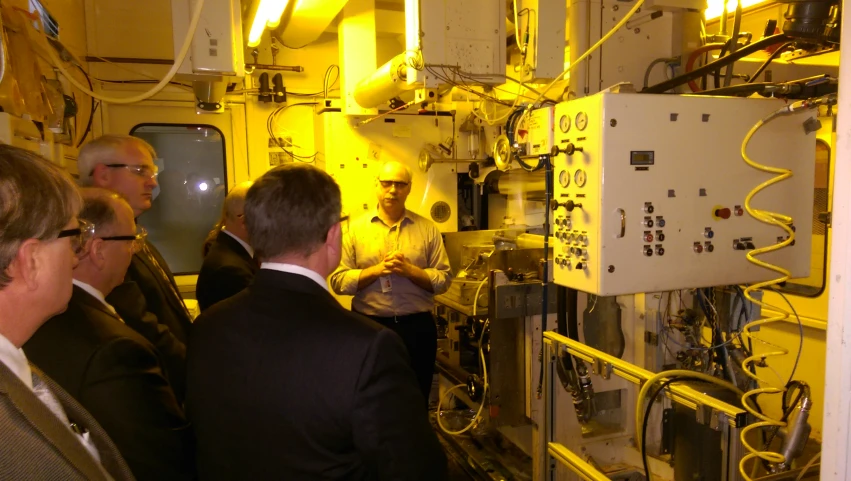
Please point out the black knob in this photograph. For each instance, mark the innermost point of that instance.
(750, 246)
(660, 251)
(569, 205)
(580, 265)
(568, 149)
(710, 248)
(648, 251)
(649, 209)
(739, 246)
(660, 237)
(648, 223)
(265, 91)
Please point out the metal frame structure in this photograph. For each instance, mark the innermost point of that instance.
(716, 414)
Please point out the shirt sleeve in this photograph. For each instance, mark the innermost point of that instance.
(344, 280)
(438, 270)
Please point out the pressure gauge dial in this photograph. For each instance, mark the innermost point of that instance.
(579, 177)
(564, 123)
(564, 178)
(581, 120)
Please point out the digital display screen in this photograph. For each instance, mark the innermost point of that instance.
(641, 157)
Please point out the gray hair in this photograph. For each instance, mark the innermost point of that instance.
(104, 150)
(290, 209)
(37, 200)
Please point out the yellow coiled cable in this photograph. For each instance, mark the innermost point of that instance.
(784, 222)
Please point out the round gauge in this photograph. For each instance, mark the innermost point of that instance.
(564, 178)
(581, 120)
(580, 178)
(564, 123)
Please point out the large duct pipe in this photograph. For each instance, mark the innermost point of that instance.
(518, 183)
(388, 82)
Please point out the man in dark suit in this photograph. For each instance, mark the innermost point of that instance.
(44, 433)
(229, 264)
(115, 373)
(148, 300)
(284, 383)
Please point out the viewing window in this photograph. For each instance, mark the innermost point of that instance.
(192, 185)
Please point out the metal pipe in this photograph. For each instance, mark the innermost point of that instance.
(734, 41)
(263, 66)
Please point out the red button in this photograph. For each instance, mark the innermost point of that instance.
(722, 213)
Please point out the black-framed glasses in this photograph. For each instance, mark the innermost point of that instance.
(138, 239)
(79, 236)
(393, 183)
(144, 171)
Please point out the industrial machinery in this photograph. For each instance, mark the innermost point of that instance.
(622, 186)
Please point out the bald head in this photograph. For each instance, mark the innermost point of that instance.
(397, 170)
(233, 210)
(108, 256)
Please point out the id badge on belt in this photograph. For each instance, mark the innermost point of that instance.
(386, 285)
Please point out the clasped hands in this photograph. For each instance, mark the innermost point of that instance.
(395, 263)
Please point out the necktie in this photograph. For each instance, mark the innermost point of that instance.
(43, 393)
(165, 278)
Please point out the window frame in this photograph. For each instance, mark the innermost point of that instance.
(224, 162)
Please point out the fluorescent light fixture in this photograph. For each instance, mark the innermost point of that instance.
(716, 7)
(268, 13)
(276, 12)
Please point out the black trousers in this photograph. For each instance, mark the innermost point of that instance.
(419, 334)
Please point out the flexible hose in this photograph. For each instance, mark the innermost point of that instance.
(610, 34)
(785, 223)
(674, 374)
(459, 386)
(178, 61)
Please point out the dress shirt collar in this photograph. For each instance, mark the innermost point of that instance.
(244, 244)
(294, 269)
(92, 291)
(407, 215)
(16, 361)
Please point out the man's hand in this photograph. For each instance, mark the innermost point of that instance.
(398, 264)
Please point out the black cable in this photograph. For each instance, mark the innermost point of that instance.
(800, 330)
(91, 107)
(721, 62)
(768, 61)
(645, 421)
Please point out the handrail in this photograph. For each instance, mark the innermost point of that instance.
(709, 410)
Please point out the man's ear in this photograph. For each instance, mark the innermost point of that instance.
(334, 238)
(97, 253)
(27, 263)
(101, 175)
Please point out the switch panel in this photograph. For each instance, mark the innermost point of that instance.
(654, 189)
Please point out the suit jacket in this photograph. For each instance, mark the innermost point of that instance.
(148, 304)
(284, 383)
(35, 444)
(119, 378)
(227, 269)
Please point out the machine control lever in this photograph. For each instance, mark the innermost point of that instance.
(568, 149)
(569, 205)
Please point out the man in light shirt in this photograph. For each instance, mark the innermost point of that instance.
(284, 383)
(393, 264)
(229, 264)
(44, 432)
(114, 372)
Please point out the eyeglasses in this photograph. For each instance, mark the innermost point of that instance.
(144, 171)
(393, 183)
(80, 236)
(344, 224)
(138, 239)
